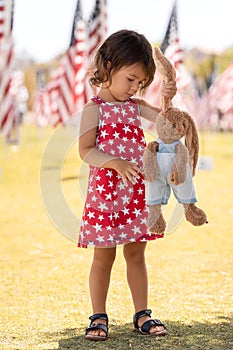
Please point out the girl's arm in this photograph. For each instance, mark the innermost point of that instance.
(150, 112)
(90, 154)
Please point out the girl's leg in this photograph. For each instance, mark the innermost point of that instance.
(134, 254)
(99, 280)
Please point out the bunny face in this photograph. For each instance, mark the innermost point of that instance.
(171, 126)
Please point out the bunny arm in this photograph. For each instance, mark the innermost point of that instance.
(179, 172)
(150, 166)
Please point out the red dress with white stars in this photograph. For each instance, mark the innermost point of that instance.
(116, 214)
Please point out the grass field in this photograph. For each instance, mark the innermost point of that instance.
(44, 278)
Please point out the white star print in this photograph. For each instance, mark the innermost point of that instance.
(100, 188)
(125, 199)
(137, 212)
(116, 135)
(91, 214)
(98, 227)
(102, 206)
(116, 110)
(100, 239)
(121, 148)
(126, 128)
(103, 133)
(136, 230)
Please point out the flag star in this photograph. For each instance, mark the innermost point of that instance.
(125, 139)
(110, 216)
(119, 120)
(109, 173)
(110, 238)
(88, 205)
(125, 199)
(98, 177)
(113, 125)
(121, 226)
(100, 217)
(109, 228)
(100, 188)
(131, 150)
(111, 142)
(143, 221)
(116, 215)
(136, 131)
(129, 221)
(112, 152)
(97, 227)
(137, 212)
(121, 148)
(136, 229)
(91, 214)
(132, 239)
(88, 232)
(134, 160)
(136, 201)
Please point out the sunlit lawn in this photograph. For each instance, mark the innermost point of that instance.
(44, 277)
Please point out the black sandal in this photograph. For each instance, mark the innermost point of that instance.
(95, 326)
(146, 326)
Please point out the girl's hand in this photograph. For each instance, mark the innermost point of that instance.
(128, 170)
(169, 89)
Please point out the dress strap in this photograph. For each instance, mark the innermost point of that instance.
(97, 99)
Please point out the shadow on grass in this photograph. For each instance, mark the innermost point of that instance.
(196, 335)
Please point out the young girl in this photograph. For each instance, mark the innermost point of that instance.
(112, 142)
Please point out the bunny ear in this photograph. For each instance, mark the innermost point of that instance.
(192, 142)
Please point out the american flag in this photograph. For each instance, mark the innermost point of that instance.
(7, 100)
(186, 96)
(68, 89)
(65, 92)
(218, 101)
(97, 26)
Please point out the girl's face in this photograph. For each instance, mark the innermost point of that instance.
(127, 81)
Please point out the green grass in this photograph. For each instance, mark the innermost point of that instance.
(44, 278)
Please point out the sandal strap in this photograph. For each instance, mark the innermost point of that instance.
(151, 323)
(96, 326)
(99, 316)
(140, 314)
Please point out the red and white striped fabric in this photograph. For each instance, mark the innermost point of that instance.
(7, 98)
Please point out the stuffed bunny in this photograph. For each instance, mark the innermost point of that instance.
(168, 163)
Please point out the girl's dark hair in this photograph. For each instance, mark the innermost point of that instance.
(122, 49)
